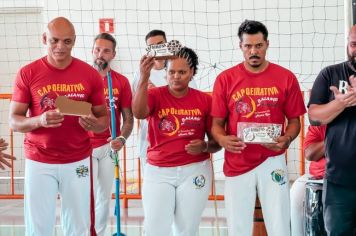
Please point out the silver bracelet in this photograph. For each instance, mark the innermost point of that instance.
(122, 139)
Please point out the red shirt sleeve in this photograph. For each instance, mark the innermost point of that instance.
(294, 105)
(21, 92)
(153, 94)
(314, 134)
(219, 102)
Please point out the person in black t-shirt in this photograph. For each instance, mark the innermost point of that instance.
(333, 102)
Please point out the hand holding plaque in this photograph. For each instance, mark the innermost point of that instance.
(258, 133)
(164, 51)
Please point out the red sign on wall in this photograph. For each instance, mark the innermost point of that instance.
(106, 25)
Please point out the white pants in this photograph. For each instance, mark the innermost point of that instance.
(103, 177)
(175, 195)
(270, 181)
(43, 182)
(297, 198)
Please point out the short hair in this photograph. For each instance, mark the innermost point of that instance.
(156, 32)
(190, 56)
(252, 27)
(107, 37)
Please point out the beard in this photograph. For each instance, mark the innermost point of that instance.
(100, 64)
(351, 56)
(255, 65)
(352, 60)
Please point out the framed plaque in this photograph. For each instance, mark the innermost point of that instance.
(165, 50)
(258, 133)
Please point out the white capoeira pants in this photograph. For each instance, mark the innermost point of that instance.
(297, 198)
(175, 196)
(43, 182)
(103, 178)
(270, 181)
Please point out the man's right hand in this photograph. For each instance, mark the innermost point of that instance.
(231, 143)
(51, 119)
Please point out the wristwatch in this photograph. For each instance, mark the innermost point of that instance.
(122, 139)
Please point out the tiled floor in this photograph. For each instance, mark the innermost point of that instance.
(11, 220)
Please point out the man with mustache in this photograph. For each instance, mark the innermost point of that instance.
(104, 51)
(332, 102)
(257, 93)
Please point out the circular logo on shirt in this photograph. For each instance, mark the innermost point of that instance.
(48, 101)
(169, 125)
(245, 106)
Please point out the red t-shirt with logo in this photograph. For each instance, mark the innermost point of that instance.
(122, 99)
(316, 134)
(267, 97)
(173, 123)
(38, 84)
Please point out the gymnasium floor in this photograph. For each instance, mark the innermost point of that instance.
(12, 221)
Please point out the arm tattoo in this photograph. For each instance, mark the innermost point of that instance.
(127, 124)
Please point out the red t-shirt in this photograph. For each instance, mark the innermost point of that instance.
(316, 134)
(122, 97)
(267, 97)
(38, 84)
(173, 123)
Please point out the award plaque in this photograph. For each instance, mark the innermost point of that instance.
(165, 50)
(71, 107)
(258, 133)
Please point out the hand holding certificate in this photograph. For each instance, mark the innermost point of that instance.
(258, 133)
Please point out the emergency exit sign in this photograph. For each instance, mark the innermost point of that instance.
(106, 25)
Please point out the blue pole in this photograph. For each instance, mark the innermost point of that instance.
(115, 157)
(112, 106)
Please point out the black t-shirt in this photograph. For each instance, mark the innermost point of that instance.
(340, 140)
